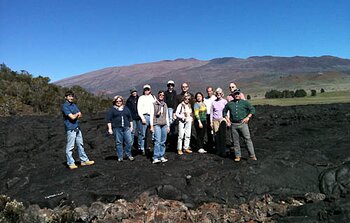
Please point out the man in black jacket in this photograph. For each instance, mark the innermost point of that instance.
(170, 100)
(131, 104)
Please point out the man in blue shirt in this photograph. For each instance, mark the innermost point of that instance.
(71, 115)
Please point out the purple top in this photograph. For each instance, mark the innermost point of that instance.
(216, 109)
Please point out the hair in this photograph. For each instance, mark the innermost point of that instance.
(186, 95)
(69, 93)
(116, 98)
(161, 92)
(219, 91)
(207, 88)
(199, 93)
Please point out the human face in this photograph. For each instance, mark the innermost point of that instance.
(147, 91)
(199, 98)
(161, 96)
(232, 87)
(218, 95)
(187, 100)
(119, 102)
(237, 96)
(210, 92)
(184, 87)
(70, 98)
(170, 86)
(134, 94)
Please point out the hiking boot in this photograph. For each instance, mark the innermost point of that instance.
(201, 150)
(156, 161)
(131, 158)
(163, 160)
(88, 163)
(237, 159)
(180, 152)
(253, 158)
(188, 151)
(72, 166)
(143, 153)
(120, 160)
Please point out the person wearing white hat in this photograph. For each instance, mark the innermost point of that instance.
(170, 100)
(144, 108)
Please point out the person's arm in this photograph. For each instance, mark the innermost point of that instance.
(151, 117)
(109, 126)
(251, 110)
(224, 113)
(140, 109)
(179, 112)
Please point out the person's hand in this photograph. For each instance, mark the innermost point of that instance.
(143, 121)
(200, 125)
(110, 131)
(168, 130)
(131, 129)
(79, 115)
(151, 128)
(228, 122)
(246, 120)
(211, 125)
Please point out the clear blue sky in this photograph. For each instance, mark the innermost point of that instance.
(62, 38)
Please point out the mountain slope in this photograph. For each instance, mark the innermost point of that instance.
(254, 74)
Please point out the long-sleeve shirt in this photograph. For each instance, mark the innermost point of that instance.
(145, 105)
(200, 111)
(184, 112)
(239, 109)
(217, 108)
(170, 99)
(119, 117)
(131, 103)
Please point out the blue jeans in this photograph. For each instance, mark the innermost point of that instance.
(170, 115)
(137, 126)
(143, 133)
(244, 129)
(75, 136)
(122, 136)
(160, 135)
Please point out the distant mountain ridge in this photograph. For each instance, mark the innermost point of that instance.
(255, 74)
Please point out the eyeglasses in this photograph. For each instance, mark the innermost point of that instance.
(185, 86)
(232, 86)
(161, 95)
(119, 101)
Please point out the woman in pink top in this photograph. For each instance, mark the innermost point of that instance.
(232, 88)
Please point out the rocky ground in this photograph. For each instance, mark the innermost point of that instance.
(302, 174)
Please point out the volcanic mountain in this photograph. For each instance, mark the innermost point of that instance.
(254, 74)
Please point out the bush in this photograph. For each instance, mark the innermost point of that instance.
(248, 97)
(322, 90)
(273, 94)
(313, 92)
(300, 93)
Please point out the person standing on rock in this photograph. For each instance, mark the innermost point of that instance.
(144, 108)
(217, 122)
(71, 115)
(119, 122)
(159, 120)
(200, 121)
(208, 101)
(170, 100)
(184, 114)
(240, 113)
(131, 104)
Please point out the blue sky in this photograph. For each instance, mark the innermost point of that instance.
(63, 38)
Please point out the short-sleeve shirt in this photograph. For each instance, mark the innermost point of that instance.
(70, 108)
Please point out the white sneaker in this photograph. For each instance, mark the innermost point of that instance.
(163, 160)
(201, 150)
(156, 161)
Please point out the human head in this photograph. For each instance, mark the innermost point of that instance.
(210, 91)
(118, 100)
(170, 84)
(146, 89)
(69, 96)
(232, 86)
(186, 97)
(199, 97)
(161, 95)
(219, 93)
(236, 94)
(184, 87)
(133, 91)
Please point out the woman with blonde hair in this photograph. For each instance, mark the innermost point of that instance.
(184, 114)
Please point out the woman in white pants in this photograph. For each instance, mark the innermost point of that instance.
(184, 114)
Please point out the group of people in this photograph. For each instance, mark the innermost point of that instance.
(168, 113)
